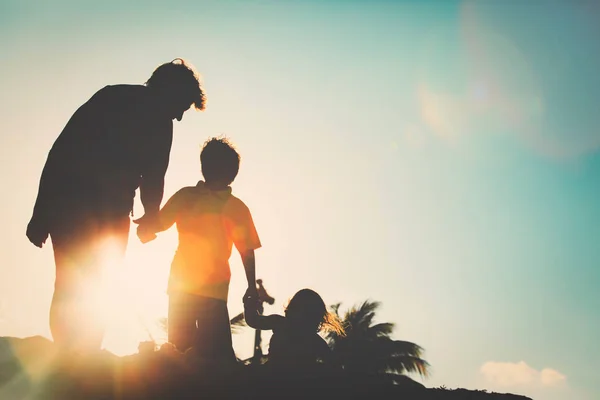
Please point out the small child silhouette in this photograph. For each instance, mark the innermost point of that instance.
(296, 341)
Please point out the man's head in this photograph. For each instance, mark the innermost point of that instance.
(179, 87)
(220, 162)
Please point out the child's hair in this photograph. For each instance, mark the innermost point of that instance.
(181, 76)
(308, 307)
(220, 161)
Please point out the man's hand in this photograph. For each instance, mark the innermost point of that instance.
(147, 219)
(37, 233)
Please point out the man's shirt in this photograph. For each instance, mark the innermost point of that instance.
(115, 140)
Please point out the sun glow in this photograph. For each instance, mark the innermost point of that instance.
(132, 296)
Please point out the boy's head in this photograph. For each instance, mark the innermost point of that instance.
(179, 85)
(220, 162)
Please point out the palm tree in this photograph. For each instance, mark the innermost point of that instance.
(368, 349)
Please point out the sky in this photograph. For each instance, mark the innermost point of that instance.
(441, 157)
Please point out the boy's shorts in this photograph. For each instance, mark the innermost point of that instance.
(202, 323)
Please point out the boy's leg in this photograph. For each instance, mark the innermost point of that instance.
(213, 340)
(182, 320)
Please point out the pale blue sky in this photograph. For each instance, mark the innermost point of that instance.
(440, 157)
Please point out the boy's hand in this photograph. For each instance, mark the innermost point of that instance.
(251, 292)
(146, 230)
(145, 234)
(250, 298)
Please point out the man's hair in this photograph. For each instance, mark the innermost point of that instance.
(220, 161)
(182, 77)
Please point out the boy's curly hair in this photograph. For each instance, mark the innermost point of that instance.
(182, 76)
(220, 161)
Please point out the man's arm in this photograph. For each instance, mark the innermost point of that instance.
(39, 226)
(154, 170)
(40, 209)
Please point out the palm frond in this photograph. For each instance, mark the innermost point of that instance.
(384, 329)
(362, 314)
(405, 364)
(335, 308)
(358, 319)
(403, 380)
(163, 325)
(402, 347)
(369, 349)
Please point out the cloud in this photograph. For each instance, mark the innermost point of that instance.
(520, 374)
(551, 377)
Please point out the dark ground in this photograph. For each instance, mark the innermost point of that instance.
(31, 369)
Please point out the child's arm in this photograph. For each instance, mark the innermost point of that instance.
(323, 351)
(167, 215)
(257, 321)
(250, 267)
(243, 234)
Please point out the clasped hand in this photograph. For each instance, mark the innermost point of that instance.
(147, 227)
(250, 298)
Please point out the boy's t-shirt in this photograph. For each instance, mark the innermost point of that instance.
(209, 223)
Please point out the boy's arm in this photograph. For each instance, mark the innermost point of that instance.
(246, 240)
(162, 221)
(168, 214)
(257, 321)
(249, 262)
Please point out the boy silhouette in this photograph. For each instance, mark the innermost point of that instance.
(210, 220)
(119, 140)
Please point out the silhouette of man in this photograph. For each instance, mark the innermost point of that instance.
(119, 140)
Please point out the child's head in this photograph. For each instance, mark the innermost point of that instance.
(307, 310)
(220, 162)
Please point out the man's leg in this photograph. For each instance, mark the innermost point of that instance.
(181, 320)
(108, 246)
(76, 318)
(65, 297)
